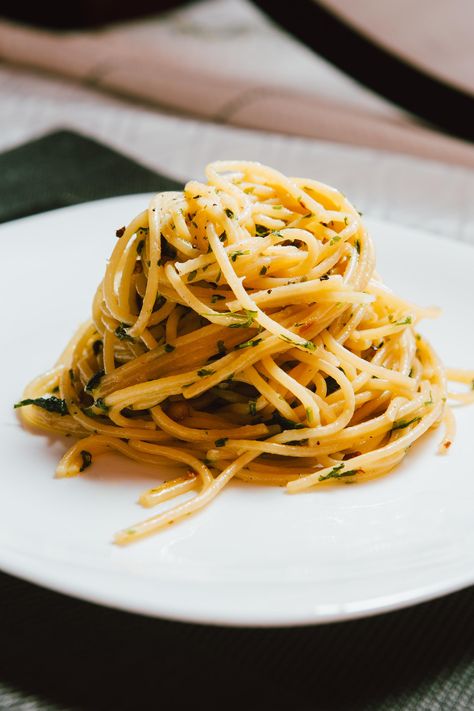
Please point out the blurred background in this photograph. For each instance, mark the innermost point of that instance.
(387, 74)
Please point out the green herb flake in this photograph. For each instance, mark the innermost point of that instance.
(140, 246)
(86, 459)
(261, 230)
(403, 322)
(99, 403)
(223, 236)
(217, 297)
(229, 213)
(122, 334)
(50, 404)
(247, 319)
(337, 472)
(169, 348)
(94, 381)
(401, 424)
(192, 275)
(252, 407)
(334, 239)
(205, 371)
(239, 253)
(263, 270)
(357, 246)
(248, 344)
(221, 442)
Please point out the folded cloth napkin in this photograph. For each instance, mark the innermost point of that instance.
(224, 61)
(65, 168)
(59, 654)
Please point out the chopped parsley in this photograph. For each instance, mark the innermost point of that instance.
(192, 275)
(50, 404)
(278, 419)
(403, 322)
(263, 270)
(261, 230)
(248, 344)
(86, 459)
(205, 371)
(337, 472)
(239, 253)
(223, 236)
(221, 442)
(334, 239)
(247, 319)
(357, 246)
(309, 345)
(169, 348)
(229, 213)
(101, 404)
(94, 381)
(401, 424)
(217, 297)
(122, 334)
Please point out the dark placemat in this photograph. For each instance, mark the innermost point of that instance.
(65, 168)
(60, 653)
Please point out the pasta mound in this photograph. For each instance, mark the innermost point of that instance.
(241, 331)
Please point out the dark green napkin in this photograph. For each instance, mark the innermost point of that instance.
(65, 168)
(60, 653)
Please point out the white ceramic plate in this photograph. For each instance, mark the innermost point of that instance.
(256, 556)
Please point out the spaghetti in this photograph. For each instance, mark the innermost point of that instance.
(241, 331)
